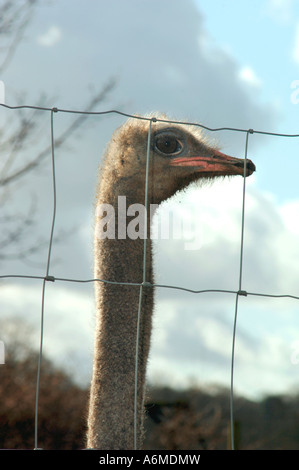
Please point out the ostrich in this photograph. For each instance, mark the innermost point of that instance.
(178, 155)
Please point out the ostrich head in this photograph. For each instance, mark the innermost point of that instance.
(179, 154)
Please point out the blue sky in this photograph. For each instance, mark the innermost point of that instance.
(215, 62)
(263, 38)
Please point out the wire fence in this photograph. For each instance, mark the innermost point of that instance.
(50, 278)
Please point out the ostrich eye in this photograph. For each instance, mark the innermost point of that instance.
(168, 144)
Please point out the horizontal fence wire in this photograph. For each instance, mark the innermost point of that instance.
(164, 286)
(49, 278)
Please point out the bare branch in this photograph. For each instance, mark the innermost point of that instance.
(22, 149)
(77, 122)
(14, 18)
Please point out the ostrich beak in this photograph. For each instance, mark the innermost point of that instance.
(216, 163)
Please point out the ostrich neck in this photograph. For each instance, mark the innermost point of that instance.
(111, 411)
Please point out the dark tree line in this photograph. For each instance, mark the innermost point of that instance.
(191, 419)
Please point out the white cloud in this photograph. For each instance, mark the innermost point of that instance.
(290, 213)
(68, 321)
(51, 37)
(248, 75)
(280, 10)
(193, 332)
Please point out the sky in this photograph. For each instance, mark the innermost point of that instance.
(221, 64)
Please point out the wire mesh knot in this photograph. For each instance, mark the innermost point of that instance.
(146, 284)
(242, 292)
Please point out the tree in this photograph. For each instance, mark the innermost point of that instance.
(23, 135)
(62, 405)
(14, 19)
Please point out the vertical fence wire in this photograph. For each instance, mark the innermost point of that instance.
(139, 313)
(47, 277)
(240, 292)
